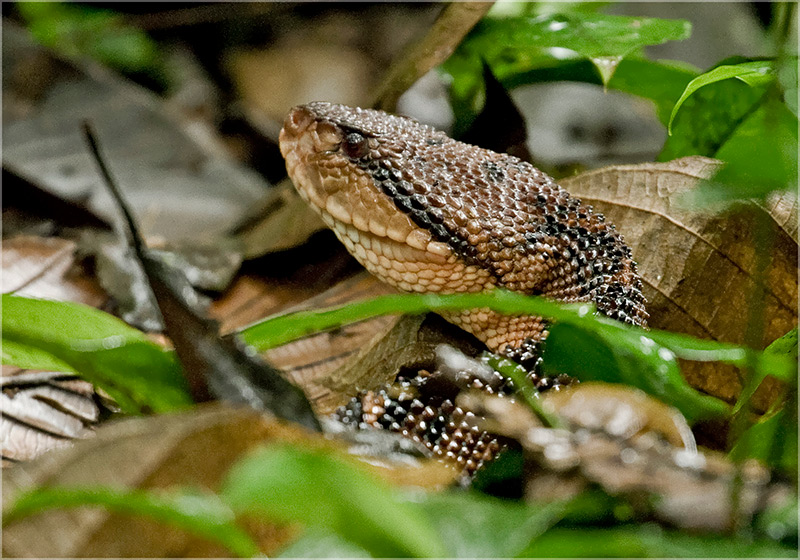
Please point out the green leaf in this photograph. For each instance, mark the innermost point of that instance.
(606, 333)
(761, 157)
(661, 82)
(642, 541)
(203, 515)
(752, 73)
(316, 542)
(772, 440)
(62, 336)
(603, 39)
(76, 31)
(473, 526)
(785, 349)
(779, 521)
(287, 484)
(629, 358)
(708, 118)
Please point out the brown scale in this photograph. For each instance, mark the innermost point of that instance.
(418, 209)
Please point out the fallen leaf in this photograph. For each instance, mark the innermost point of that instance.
(698, 267)
(191, 449)
(172, 181)
(283, 220)
(43, 410)
(46, 267)
(629, 451)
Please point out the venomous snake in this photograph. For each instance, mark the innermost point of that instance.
(426, 213)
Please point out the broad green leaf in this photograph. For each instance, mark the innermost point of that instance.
(708, 118)
(203, 515)
(288, 484)
(787, 75)
(661, 82)
(629, 358)
(772, 440)
(760, 156)
(139, 374)
(752, 73)
(784, 348)
(603, 39)
(649, 541)
(475, 526)
(607, 334)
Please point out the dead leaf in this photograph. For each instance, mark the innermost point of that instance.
(194, 448)
(697, 268)
(282, 221)
(45, 267)
(179, 188)
(624, 442)
(43, 410)
(453, 23)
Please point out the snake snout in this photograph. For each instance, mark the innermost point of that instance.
(298, 120)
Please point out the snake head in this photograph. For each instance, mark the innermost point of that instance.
(427, 213)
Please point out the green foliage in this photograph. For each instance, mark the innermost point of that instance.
(288, 484)
(603, 39)
(773, 438)
(76, 31)
(626, 357)
(645, 359)
(648, 541)
(473, 526)
(576, 46)
(62, 336)
(736, 113)
(203, 515)
(752, 73)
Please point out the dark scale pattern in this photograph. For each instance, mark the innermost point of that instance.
(421, 407)
(497, 211)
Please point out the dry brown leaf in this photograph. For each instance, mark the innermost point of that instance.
(625, 442)
(455, 21)
(196, 449)
(44, 410)
(697, 267)
(282, 221)
(172, 181)
(45, 267)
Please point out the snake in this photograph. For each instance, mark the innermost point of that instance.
(426, 213)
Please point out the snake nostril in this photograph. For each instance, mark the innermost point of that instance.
(298, 119)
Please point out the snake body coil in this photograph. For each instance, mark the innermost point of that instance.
(426, 213)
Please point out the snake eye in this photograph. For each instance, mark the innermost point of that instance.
(355, 145)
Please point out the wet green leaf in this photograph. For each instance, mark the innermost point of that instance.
(603, 39)
(203, 515)
(629, 358)
(284, 483)
(473, 526)
(139, 374)
(757, 73)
